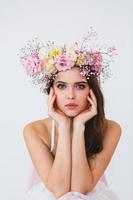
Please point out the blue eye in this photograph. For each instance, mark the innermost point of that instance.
(58, 86)
(62, 86)
(81, 86)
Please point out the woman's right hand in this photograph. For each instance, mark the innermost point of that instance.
(55, 113)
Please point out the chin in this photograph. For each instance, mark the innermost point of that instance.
(71, 113)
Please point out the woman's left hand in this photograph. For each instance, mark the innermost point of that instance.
(87, 114)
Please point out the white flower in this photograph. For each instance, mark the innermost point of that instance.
(42, 53)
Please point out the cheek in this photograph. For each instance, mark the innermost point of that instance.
(83, 96)
(83, 100)
(58, 94)
(59, 99)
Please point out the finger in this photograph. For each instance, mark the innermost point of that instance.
(53, 99)
(94, 107)
(91, 101)
(50, 96)
(51, 106)
(51, 93)
(93, 96)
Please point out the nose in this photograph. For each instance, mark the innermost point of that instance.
(71, 94)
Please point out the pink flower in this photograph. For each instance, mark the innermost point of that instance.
(95, 60)
(32, 64)
(63, 63)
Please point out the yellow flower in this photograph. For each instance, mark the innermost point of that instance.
(50, 68)
(54, 52)
(81, 60)
(48, 65)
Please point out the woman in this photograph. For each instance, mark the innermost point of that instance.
(72, 165)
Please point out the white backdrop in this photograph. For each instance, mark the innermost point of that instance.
(22, 102)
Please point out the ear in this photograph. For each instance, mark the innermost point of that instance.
(52, 90)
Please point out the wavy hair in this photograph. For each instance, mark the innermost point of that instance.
(96, 126)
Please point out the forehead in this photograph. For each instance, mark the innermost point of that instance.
(71, 75)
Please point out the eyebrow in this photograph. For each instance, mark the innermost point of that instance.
(75, 82)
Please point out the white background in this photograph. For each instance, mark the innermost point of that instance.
(21, 102)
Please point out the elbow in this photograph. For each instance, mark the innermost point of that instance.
(89, 188)
(83, 190)
(59, 190)
(60, 193)
(80, 190)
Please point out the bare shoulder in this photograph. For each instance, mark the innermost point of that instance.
(39, 128)
(115, 126)
(113, 130)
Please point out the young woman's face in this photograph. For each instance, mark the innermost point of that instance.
(71, 87)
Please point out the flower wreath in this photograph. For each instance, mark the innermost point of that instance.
(42, 62)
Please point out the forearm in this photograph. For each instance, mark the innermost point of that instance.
(60, 175)
(81, 174)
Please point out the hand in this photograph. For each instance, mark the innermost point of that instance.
(54, 112)
(87, 114)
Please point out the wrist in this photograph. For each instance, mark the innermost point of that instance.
(64, 127)
(79, 127)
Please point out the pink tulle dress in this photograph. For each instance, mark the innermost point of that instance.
(36, 190)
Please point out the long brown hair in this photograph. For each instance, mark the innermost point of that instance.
(95, 127)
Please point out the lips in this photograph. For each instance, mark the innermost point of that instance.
(71, 104)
